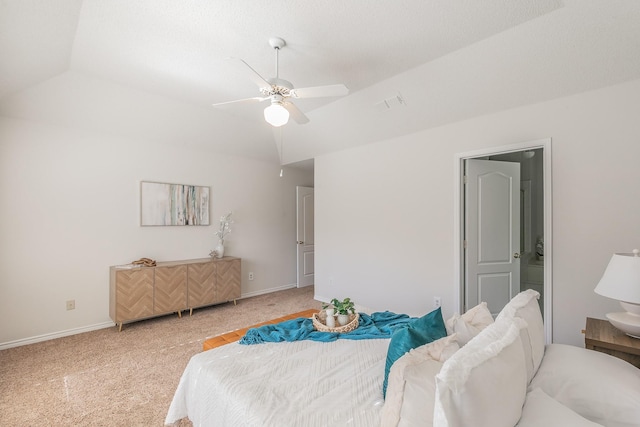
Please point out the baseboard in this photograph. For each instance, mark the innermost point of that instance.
(53, 335)
(267, 291)
(322, 299)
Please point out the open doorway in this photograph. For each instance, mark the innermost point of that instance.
(529, 251)
(530, 200)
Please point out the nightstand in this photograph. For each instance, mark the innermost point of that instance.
(600, 335)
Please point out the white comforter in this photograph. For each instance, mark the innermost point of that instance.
(303, 383)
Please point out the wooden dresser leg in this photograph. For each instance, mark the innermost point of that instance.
(234, 302)
(120, 327)
(180, 314)
(191, 312)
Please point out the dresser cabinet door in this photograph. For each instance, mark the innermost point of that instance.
(228, 280)
(170, 289)
(202, 286)
(134, 294)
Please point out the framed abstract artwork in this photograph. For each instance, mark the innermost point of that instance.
(173, 204)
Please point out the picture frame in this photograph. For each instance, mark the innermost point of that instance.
(164, 204)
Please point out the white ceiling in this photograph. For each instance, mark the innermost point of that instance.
(152, 68)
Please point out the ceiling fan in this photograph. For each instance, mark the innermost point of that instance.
(281, 92)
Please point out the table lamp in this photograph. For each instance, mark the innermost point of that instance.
(621, 281)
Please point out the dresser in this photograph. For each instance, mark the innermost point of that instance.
(137, 293)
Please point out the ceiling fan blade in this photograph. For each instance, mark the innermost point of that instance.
(241, 101)
(251, 73)
(320, 91)
(295, 113)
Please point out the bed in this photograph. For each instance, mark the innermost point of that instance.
(482, 373)
(302, 383)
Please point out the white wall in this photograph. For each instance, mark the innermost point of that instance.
(70, 209)
(384, 211)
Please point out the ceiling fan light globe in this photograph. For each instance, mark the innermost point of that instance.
(276, 115)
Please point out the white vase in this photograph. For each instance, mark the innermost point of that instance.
(330, 320)
(343, 319)
(220, 249)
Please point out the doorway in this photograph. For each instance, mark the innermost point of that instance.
(305, 244)
(531, 255)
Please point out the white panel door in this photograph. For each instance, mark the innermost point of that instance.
(305, 242)
(492, 233)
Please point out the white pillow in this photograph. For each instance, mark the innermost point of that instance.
(600, 387)
(525, 306)
(470, 323)
(485, 382)
(542, 410)
(411, 389)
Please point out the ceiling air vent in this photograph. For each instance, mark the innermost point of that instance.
(389, 103)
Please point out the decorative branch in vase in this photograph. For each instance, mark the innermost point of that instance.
(223, 230)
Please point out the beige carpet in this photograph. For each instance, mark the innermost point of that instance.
(111, 378)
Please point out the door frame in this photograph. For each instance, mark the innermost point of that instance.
(458, 214)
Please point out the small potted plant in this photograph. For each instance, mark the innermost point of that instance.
(342, 309)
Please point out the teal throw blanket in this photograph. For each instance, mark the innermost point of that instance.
(376, 325)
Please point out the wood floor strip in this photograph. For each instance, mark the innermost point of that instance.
(236, 335)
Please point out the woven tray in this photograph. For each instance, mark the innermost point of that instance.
(319, 322)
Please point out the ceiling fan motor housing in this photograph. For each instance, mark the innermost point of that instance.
(278, 87)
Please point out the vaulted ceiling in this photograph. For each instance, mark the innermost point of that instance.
(152, 68)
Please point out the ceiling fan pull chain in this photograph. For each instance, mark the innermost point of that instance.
(281, 155)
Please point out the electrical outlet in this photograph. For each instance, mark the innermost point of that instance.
(437, 302)
(251, 275)
(71, 304)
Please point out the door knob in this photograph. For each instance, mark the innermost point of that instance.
(300, 242)
(516, 255)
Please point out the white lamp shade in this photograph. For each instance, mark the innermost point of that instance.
(621, 279)
(276, 115)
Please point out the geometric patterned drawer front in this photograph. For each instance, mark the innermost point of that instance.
(228, 280)
(170, 289)
(201, 279)
(134, 294)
